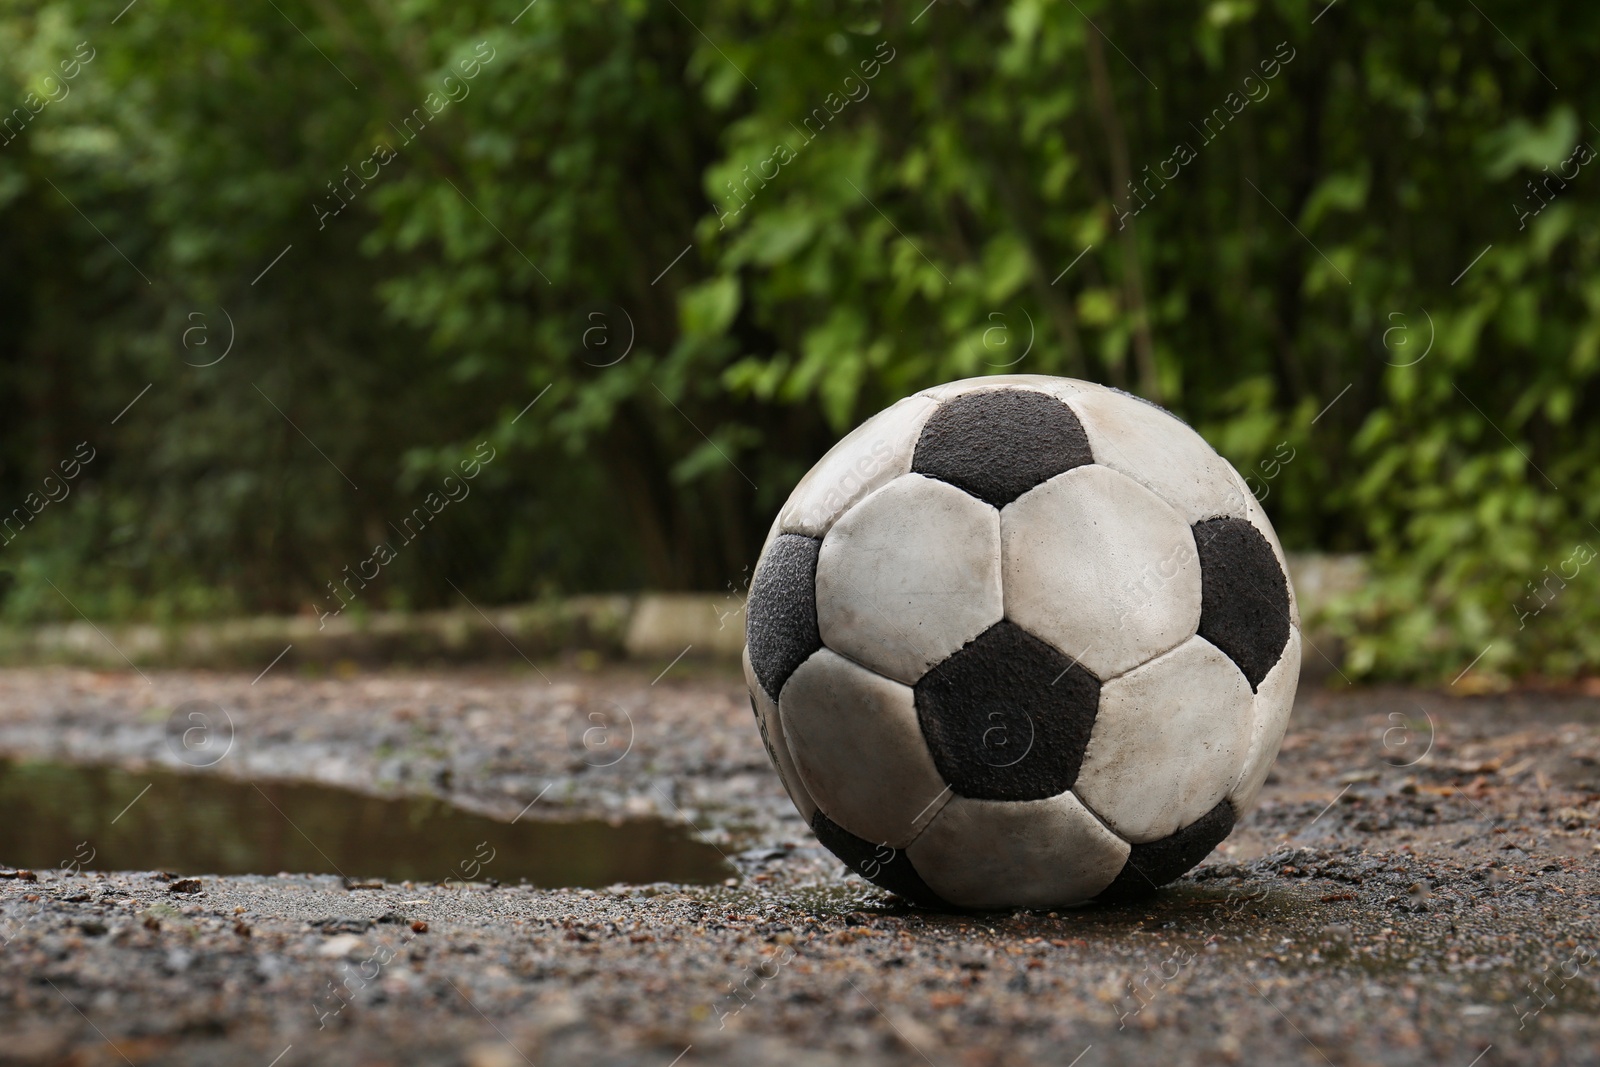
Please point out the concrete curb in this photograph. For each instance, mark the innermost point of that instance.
(648, 627)
(590, 623)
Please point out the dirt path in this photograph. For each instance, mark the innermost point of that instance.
(1418, 885)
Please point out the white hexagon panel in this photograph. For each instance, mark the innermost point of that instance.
(1100, 567)
(859, 751)
(868, 457)
(1158, 450)
(769, 722)
(908, 576)
(1027, 853)
(1273, 704)
(1169, 742)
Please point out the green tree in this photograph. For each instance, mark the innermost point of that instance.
(710, 236)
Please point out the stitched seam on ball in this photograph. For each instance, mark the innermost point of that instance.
(1085, 421)
(950, 794)
(1101, 819)
(867, 667)
(1149, 660)
(1240, 810)
(1126, 860)
(823, 648)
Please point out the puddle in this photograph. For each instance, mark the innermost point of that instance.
(57, 815)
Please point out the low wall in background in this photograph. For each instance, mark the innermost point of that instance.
(647, 627)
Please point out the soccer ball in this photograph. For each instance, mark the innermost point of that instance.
(1022, 641)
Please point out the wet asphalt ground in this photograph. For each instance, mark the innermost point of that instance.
(1417, 886)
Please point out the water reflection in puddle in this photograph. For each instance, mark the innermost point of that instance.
(102, 818)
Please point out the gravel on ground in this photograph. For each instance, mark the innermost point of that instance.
(1417, 886)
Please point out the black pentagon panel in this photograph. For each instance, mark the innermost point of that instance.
(1244, 595)
(780, 618)
(998, 444)
(1153, 865)
(885, 867)
(1008, 716)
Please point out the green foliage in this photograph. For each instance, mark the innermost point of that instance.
(711, 237)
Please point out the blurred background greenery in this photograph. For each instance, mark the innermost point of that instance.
(481, 203)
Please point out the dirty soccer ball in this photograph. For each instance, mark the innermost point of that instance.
(1022, 641)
